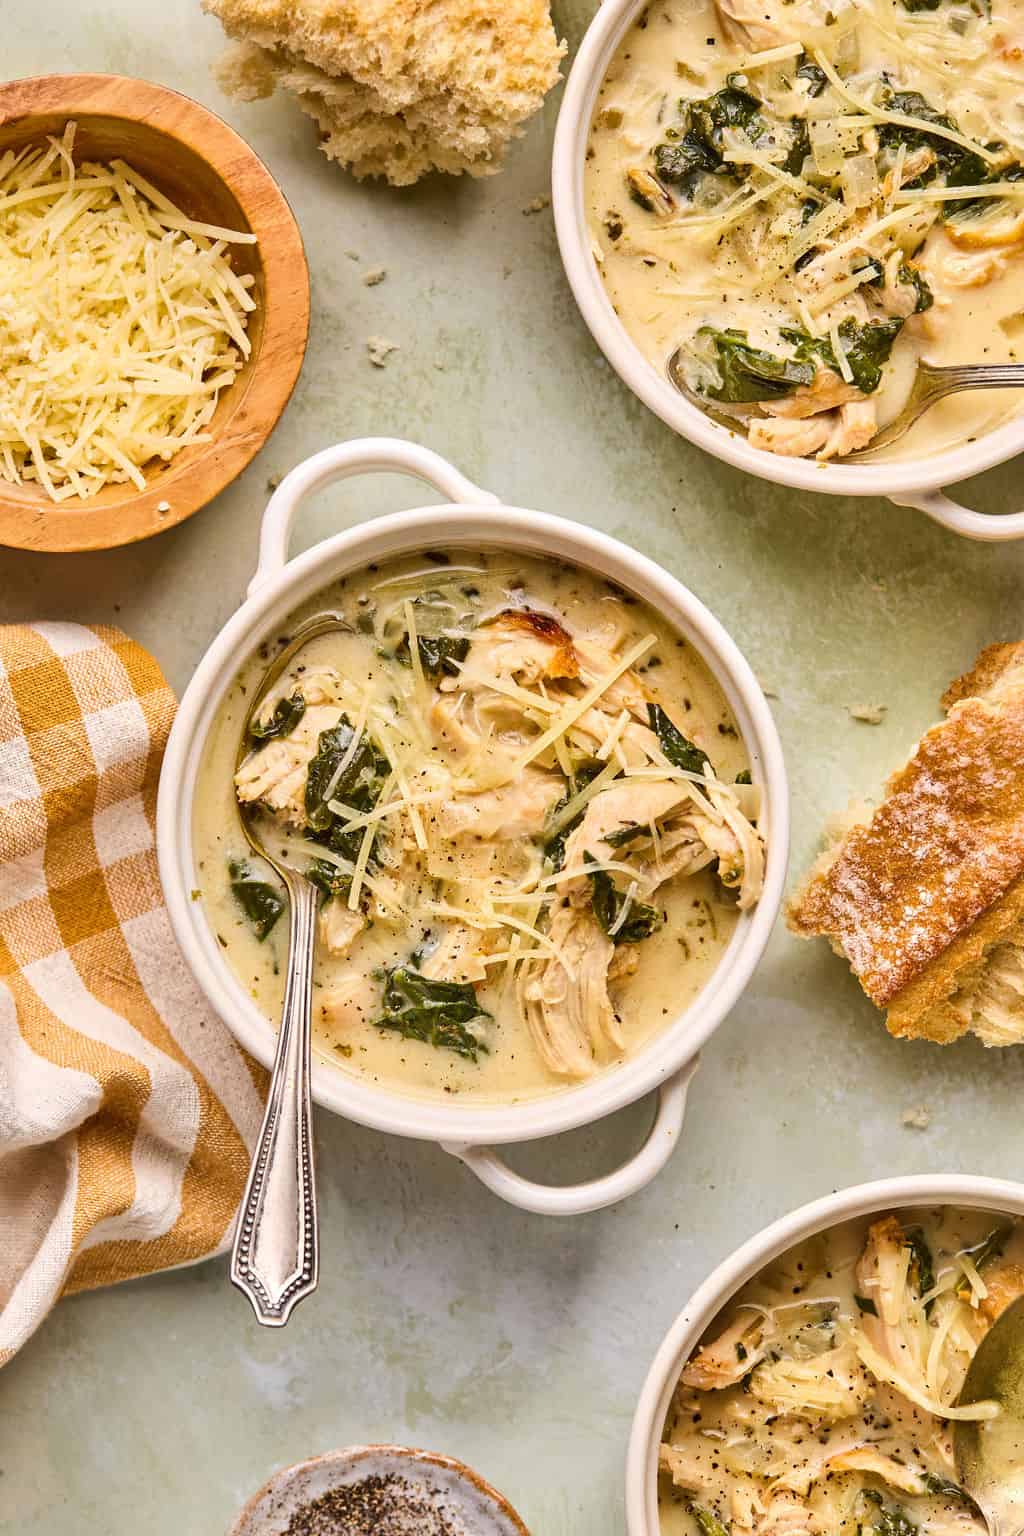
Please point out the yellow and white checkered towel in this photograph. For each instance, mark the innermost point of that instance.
(127, 1112)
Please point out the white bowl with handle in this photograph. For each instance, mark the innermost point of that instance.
(474, 519)
(909, 483)
(913, 1192)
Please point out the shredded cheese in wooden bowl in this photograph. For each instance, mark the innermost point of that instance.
(121, 322)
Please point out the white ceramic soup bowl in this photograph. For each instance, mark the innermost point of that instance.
(909, 483)
(723, 1283)
(473, 519)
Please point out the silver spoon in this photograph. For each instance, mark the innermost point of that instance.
(276, 1255)
(931, 384)
(989, 1453)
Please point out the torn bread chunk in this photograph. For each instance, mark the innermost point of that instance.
(399, 89)
(925, 898)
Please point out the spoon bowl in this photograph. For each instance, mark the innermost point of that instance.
(990, 1452)
(931, 384)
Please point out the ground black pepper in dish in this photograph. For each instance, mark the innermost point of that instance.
(376, 1506)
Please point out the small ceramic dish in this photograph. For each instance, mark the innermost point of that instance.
(204, 167)
(722, 1284)
(378, 1490)
(908, 483)
(473, 519)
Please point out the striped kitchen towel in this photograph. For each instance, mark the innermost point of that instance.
(127, 1112)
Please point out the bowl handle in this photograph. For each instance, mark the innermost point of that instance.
(362, 456)
(992, 527)
(576, 1199)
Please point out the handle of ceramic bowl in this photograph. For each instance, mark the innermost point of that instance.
(362, 456)
(991, 527)
(577, 1199)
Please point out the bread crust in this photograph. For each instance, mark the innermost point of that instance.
(918, 897)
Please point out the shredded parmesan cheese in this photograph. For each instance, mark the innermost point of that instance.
(122, 321)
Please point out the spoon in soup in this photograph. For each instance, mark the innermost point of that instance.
(931, 384)
(275, 1259)
(989, 1453)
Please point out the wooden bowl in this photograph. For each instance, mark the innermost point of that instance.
(213, 175)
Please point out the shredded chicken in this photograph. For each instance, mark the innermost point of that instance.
(792, 439)
(855, 427)
(730, 1357)
(512, 811)
(865, 1458)
(1005, 1284)
(567, 1004)
(826, 391)
(337, 927)
(275, 774)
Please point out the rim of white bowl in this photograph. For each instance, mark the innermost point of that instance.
(492, 527)
(742, 1265)
(589, 68)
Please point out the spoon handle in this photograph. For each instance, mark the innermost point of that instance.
(956, 376)
(276, 1255)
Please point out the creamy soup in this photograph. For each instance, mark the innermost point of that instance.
(804, 197)
(821, 1400)
(526, 806)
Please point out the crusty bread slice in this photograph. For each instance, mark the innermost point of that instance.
(398, 88)
(926, 899)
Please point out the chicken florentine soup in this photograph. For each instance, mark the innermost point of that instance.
(821, 1401)
(527, 809)
(807, 196)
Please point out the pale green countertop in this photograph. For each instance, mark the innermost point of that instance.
(444, 1318)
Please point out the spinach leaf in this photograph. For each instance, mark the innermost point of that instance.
(329, 880)
(915, 278)
(960, 167)
(890, 1520)
(747, 373)
(584, 774)
(920, 5)
(813, 74)
(696, 148)
(680, 752)
(678, 162)
(865, 1304)
(439, 653)
(286, 716)
(608, 902)
(437, 1012)
(261, 903)
(627, 834)
(990, 1247)
(943, 1488)
(743, 777)
(359, 786)
(799, 149)
(707, 1523)
(867, 347)
(920, 1260)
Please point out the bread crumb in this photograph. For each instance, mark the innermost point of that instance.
(870, 714)
(374, 276)
(379, 349)
(537, 205)
(917, 1118)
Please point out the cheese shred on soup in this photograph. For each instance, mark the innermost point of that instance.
(526, 807)
(805, 198)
